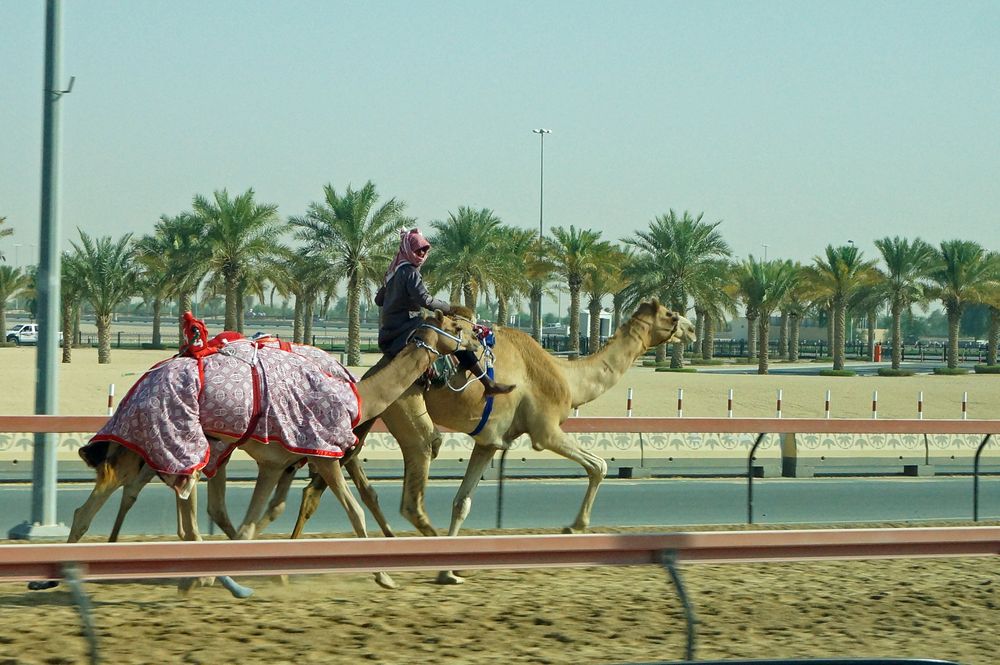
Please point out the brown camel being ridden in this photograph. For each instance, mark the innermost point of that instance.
(548, 388)
(120, 466)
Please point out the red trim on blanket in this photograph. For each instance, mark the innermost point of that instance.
(139, 451)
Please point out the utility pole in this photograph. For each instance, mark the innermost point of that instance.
(43, 483)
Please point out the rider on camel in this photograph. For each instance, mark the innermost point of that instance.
(403, 294)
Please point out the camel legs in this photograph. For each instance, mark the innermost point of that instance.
(558, 442)
(268, 476)
(129, 495)
(462, 504)
(418, 439)
(368, 494)
(280, 498)
(187, 529)
(217, 502)
(330, 471)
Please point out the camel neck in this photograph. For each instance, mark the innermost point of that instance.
(592, 376)
(384, 387)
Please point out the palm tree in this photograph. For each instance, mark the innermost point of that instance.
(712, 303)
(152, 254)
(241, 234)
(540, 268)
(574, 254)
(12, 282)
(3, 234)
(797, 304)
(907, 266)
(186, 256)
(677, 251)
(767, 284)
(355, 237)
(603, 279)
(508, 276)
(963, 274)
(837, 274)
(108, 278)
(72, 293)
(465, 251)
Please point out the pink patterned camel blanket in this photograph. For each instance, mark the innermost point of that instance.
(295, 395)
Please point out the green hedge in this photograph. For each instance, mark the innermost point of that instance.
(837, 372)
(987, 369)
(713, 361)
(888, 371)
(950, 371)
(676, 369)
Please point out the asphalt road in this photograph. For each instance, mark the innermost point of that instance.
(554, 503)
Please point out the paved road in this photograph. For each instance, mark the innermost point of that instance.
(553, 503)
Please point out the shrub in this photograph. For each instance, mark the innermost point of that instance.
(888, 371)
(837, 372)
(150, 345)
(950, 371)
(987, 369)
(675, 369)
(713, 361)
(823, 359)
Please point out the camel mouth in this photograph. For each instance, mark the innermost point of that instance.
(684, 332)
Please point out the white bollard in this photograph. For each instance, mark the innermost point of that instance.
(628, 404)
(874, 404)
(729, 403)
(965, 406)
(111, 399)
(826, 405)
(576, 412)
(920, 405)
(779, 404)
(680, 402)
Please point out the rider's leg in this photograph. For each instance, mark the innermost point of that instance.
(467, 360)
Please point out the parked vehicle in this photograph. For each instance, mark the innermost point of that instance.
(25, 333)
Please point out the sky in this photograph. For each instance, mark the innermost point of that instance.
(795, 124)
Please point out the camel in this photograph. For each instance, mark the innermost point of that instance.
(118, 466)
(548, 388)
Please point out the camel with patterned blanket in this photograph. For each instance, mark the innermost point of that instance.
(120, 462)
(548, 388)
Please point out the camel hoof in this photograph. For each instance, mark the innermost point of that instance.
(41, 585)
(385, 581)
(570, 529)
(238, 590)
(448, 577)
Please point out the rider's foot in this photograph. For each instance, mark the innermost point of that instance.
(491, 387)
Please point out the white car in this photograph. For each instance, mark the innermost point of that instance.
(25, 333)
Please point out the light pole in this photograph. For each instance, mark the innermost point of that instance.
(764, 245)
(17, 262)
(541, 177)
(541, 131)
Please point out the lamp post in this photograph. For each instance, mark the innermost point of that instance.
(541, 131)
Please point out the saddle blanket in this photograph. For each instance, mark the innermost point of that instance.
(173, 416)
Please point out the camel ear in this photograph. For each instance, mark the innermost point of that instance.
(655, 302)
(439, 315)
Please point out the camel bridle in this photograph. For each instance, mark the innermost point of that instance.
(424, 345)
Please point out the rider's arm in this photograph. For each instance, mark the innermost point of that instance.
(420, 296)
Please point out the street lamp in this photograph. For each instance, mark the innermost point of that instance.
(764, 245)
(541, 176)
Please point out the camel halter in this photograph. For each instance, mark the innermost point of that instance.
(424, 345)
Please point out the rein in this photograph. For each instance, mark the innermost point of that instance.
(424, 345)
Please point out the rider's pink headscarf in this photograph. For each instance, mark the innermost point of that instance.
(409, 242)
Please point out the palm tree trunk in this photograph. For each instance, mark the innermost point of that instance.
(502, 311)
(469, 295)
(897, 335)
(67, 328)
(297, 320)
(954, 319)
(184, 304)
(994, 336)
(871, 335)
(308, 310)
(699, 323)
(751, 336)
(764, 328)
(830, 330)
(794, 327)
(594, 334)
(103, 338)
(232, 295)
(536, 312)
(708, 340)
(783, 336)
(574, 321)
(661, 354)
(157, 307)
(617, 304)
(354, 320)
(241, 296)
(839, 315)
(677, 348)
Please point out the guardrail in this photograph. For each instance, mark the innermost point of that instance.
(264, 557)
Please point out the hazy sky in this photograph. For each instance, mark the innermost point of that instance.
(797, 124)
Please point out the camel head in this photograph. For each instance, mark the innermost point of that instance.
(446, 334)
(665, 325)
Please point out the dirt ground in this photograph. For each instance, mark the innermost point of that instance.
(930, 608)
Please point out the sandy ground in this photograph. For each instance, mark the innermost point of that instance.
(944, 609)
